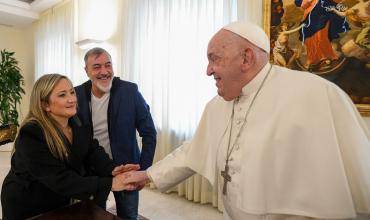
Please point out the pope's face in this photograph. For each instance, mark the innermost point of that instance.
(99, 70)
(224, 64)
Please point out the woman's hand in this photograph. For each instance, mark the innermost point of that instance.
(133, 180)
(119, 183)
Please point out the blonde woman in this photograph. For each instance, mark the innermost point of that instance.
(54, 159)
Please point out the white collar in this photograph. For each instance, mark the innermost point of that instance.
(253, 85)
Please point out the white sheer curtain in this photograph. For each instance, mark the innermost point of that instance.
(54, 41)
(164, 52)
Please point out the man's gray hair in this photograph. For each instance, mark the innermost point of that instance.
(97, 51)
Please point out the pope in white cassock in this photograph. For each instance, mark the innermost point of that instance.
(283, 144)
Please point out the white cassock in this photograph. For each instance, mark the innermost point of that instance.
(303, 152)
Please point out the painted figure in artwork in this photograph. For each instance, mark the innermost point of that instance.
(320, 26)
(283, 54)
(356, 42)
(277, 12)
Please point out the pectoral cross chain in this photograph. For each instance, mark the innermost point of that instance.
(227, 178)
(230, 147)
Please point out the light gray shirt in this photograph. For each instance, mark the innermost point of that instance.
(99, 114)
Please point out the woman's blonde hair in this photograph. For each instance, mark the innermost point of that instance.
(40, 97)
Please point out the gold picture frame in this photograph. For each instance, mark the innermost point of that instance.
(284, 20)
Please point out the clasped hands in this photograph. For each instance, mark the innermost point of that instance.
(128, 177)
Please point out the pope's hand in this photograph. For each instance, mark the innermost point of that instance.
(119, 183)
(125, 168)
(137, 178)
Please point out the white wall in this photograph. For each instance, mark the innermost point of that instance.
(20, 41)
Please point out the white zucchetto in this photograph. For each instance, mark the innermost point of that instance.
(251, 32)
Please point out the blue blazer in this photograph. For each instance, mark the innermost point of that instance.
(127, 113)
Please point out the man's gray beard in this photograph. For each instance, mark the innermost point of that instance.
(104, 89)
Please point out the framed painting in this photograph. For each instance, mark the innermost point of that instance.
(330, 38)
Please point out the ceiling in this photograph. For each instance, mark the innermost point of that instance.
(21, 13)
(27, 1)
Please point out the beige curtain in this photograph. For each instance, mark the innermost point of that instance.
(54, 36)
(164, 52)
(196, 188)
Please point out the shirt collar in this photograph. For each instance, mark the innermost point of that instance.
(253, 85)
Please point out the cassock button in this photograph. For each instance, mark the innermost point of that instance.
(238, 122)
